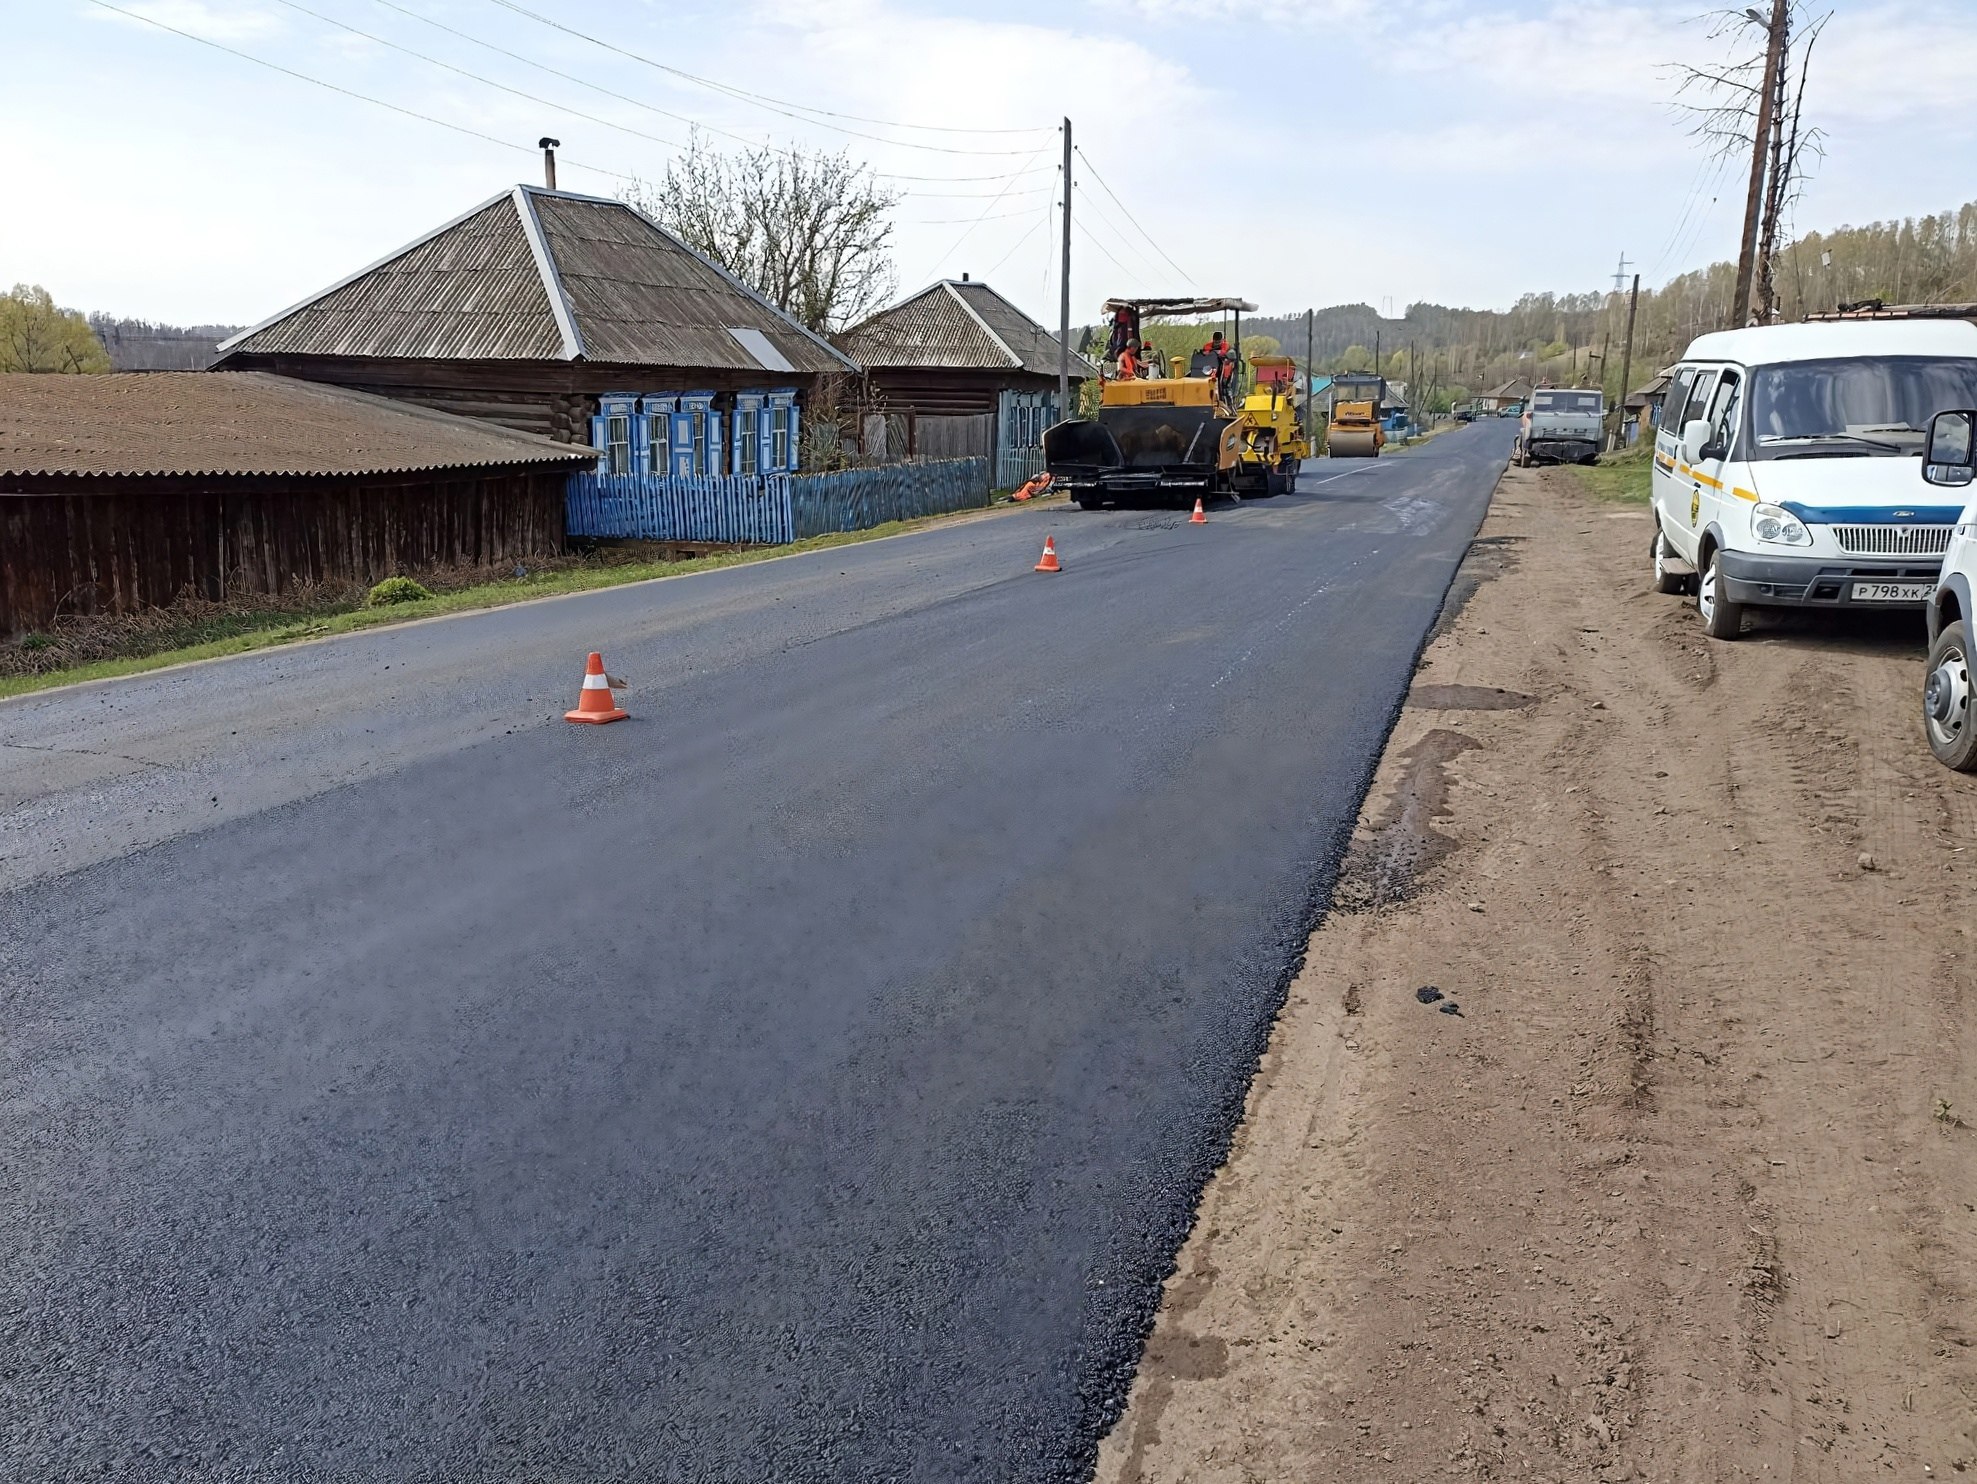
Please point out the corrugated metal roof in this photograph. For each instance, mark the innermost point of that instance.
(960, 326)
(543, 275)
(1033, 345)
(472, 290)
(933, 328)
(642, 297)
(239, 422)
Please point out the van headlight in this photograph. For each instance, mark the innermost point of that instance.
(1779, 526)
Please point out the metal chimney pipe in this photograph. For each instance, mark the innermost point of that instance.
(548, 147)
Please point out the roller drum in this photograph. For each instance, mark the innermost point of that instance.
(1353, 443)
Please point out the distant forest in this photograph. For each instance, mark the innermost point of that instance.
(1577, 339)
(140, 345)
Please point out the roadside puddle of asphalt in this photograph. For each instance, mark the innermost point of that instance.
(1487, 559)
(1387, 860)
(1384, 864)
(1467, 698)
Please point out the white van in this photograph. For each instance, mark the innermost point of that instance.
(1782, 467)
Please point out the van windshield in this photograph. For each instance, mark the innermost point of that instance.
(1813, 409)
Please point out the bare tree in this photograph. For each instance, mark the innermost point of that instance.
(1727, 107)
(807, 230)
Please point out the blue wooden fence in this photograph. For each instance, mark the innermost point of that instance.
(769, 508)
(858, 499)
(1016, 466)
(740, 507)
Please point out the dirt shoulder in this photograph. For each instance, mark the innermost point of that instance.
(1684, 1191)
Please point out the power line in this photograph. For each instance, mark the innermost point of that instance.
(1186, 277)
(1125, 237)
(1132, 273)
(982, 195)
(490, 82)
(597, 87)
(761, 100)
(954, 221)
(969, 231)
(1049, 215)
(424, 118)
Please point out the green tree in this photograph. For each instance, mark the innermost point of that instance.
(36, 335)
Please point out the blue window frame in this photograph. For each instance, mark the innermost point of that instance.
(697, 431)
(748, 433)
(614, 432)
(779, 437)
(654, 454)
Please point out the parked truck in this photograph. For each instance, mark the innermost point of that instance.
(1560, 426)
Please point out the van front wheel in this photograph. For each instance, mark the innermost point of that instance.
(1721, 618)
(1946, 700)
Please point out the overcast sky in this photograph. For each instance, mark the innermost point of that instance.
(1300, 152)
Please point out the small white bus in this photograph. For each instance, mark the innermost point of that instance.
(1783, 466)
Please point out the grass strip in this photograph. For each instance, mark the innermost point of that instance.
(1618, 478)
(244, 632)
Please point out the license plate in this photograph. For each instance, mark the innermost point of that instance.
(1892, 592)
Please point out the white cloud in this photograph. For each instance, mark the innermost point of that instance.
(240, 21)
(1896, 63)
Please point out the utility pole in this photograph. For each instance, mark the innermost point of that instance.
(1310, 372)
(1627, 363)
(1754, 199)
(1774, 194)
(1620, 277)
(1064, 293)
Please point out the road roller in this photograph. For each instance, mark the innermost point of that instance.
(1186, 432)
(1354, 431)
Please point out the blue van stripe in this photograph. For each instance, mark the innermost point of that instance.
(1875, 515)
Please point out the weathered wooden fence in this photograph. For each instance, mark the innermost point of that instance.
(1014, 466)
(858, 499)
(650, 507)
(772, 508)
(122, 544)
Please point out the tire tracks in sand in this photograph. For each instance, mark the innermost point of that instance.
(1684, 1192)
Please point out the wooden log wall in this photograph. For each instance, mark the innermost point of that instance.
(133, 544)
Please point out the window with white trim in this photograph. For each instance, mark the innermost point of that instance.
(748, 434)
(618, 443)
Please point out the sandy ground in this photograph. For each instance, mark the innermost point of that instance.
(1685, 1192)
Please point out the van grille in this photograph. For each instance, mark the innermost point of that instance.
(1893, 540)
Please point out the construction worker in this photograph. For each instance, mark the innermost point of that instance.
(1129, 361)
(1223, 361)
(1122, 332)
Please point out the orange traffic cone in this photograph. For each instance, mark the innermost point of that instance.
(1200, 516)
(1049, 562)
(595, 702)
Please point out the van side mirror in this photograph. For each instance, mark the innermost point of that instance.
(1695, 439)
(1950, 456)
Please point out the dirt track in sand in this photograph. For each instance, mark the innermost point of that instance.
(1688, 1189)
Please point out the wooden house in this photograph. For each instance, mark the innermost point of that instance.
(572, 317)
(1511, 394)
(128, 490)
(1643, 408)
(958, 370)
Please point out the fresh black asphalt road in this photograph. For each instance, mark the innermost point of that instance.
(811, 1078)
